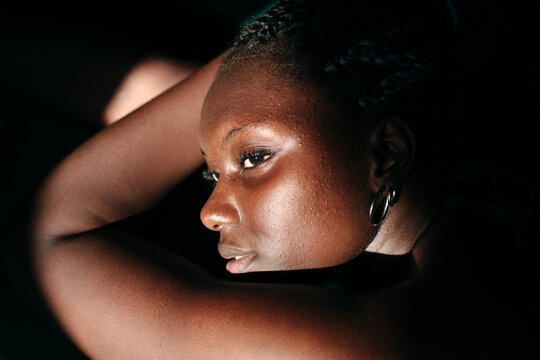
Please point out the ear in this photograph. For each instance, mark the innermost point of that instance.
(393, 149)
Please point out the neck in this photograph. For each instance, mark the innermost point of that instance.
(407, 221)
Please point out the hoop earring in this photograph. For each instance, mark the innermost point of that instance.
(393, 193)
(381, 203)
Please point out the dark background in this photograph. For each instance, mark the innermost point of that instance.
(59, 65)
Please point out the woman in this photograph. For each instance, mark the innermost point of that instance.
(321, 131)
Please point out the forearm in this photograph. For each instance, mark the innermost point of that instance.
(127, 167)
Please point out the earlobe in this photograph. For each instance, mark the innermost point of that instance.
(393, 145)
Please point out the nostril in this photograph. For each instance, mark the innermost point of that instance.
(217, 212)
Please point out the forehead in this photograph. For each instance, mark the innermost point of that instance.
(253, 92)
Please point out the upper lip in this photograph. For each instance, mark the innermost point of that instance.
(229, 252)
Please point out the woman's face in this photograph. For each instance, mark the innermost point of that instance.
(289, 194)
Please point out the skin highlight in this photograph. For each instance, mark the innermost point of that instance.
(281, 211)
(292, 191)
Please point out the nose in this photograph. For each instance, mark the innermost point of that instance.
(219, 211)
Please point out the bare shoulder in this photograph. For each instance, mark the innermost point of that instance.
(118, 297)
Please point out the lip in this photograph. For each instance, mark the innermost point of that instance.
(239, 264)
(239, 260)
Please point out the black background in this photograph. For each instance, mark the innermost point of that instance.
(50, 52)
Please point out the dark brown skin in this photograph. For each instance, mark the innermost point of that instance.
(284, 207)
(303, 204)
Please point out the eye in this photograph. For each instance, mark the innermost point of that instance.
(254, 158)
(211, 176)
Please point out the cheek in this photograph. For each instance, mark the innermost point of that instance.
(276, 212)
(341, 227)
(301, 220)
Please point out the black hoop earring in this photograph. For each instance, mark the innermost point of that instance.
(393, 192)
(379, 206)
(381, 203)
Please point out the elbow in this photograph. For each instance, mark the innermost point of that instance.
(44, 222)
(23, 243)
(45, 219)
(56, 211)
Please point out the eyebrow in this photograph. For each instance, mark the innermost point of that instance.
(246, 125)
(234, 131)
(231, 134)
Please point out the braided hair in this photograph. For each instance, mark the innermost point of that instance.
(376, 56)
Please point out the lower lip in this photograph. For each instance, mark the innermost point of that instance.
(236, 266)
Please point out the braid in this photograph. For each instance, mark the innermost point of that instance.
(288, 18)
(376, 56)
(366, 34)
(265, 28)
(401, 68)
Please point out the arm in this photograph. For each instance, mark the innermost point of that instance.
(127, 167)
(119, 297)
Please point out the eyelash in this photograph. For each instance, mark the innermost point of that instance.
(251, 155)
(213, 176)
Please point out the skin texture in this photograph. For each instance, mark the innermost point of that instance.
(302, 202)
(119, 297)
(281, 209)
(146, 80)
